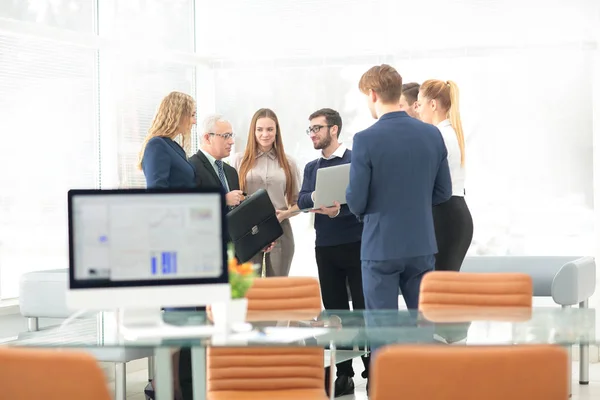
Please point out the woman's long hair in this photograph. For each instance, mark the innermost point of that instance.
(173, 108)
(446, 94)
(249, 158)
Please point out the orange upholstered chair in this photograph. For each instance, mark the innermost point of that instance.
(265, 373)
(470, 373)
(271, 372)
(463, 296)
(284, 298)
(33, 374)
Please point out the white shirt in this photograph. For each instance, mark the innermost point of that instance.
(212, 160)
(339, 153)
(457, 172)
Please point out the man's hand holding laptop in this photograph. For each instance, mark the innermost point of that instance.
(331, 212)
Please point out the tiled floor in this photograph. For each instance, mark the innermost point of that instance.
(136, 381)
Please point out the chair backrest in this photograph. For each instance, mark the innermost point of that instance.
(491, 373)
(284, 293)
(463, 292)
(270, 368)
(32, 374)
(284, 298)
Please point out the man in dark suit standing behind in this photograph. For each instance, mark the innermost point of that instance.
(216, 141)
(399, 170)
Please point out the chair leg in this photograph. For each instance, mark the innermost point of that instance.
(150, 368)
(120, 381)
(33, 324)
(332, 370)
(584, 357)
(569, 349)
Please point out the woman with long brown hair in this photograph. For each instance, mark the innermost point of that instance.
(163, 160)
(264, 165)
(438, 105)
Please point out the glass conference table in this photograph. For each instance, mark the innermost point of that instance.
(337, 330)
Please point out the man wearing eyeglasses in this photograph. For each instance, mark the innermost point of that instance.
(216, 141)
(338, 234)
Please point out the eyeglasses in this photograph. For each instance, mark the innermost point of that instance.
(225, 136)
(316, 128)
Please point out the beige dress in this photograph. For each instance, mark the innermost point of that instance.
(268, 175)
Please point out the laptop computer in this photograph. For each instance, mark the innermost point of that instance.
(330, 186)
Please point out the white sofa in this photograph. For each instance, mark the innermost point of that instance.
(568, 280)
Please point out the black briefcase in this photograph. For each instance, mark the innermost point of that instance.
(253, 225)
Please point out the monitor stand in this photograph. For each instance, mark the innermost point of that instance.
(136, 324)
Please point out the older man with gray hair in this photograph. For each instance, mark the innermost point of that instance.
(216, 141)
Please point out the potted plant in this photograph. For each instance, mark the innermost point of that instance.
(241, 277)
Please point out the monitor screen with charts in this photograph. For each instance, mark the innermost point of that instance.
(139, 237)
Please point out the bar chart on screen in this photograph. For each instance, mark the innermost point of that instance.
(163, 264)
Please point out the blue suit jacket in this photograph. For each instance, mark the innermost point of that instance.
(399, 171)
(165, 165)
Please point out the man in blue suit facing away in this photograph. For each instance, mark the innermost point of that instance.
(399, 171)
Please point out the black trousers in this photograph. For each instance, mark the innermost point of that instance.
(339, 273)
(453, 232)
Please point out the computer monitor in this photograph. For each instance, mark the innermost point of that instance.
(144, 249)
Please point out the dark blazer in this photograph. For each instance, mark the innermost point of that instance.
(399, 170)
(165, 165)
(207, 177)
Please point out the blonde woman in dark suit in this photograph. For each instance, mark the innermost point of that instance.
(165, 165)
(163, 160)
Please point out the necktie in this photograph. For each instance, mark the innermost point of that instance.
(219, 164)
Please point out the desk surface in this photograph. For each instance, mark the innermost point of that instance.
(348, 329)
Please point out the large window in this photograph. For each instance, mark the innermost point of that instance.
(76, 15)
(148, 25)
(526, 100)
(131, 92)
(50, 144)
(75, 109)
(138, 67)
(528, 133)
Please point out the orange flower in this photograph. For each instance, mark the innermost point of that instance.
(245, 269)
